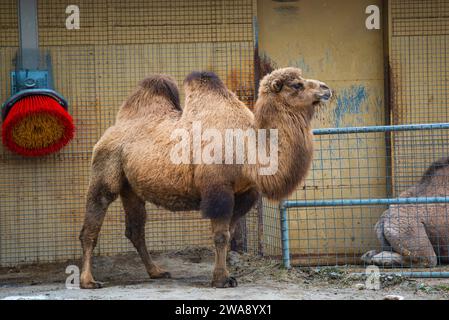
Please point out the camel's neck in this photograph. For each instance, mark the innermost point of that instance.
(295, 150)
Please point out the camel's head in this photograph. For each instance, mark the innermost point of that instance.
(288, 86)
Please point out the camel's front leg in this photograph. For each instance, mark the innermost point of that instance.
(221, 278)
(217, 203)
(242, 205)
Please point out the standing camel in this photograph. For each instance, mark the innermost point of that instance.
(133, 158)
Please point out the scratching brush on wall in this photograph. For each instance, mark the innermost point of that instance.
(36, 123)
(35, 118)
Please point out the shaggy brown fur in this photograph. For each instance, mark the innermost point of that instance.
(132, 158)
(416, 234)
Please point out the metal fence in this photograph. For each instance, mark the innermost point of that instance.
(332, 221)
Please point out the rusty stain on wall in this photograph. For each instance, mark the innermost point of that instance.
(242, 84)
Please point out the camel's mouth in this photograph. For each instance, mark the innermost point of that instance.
(325, 97)
(322, 99)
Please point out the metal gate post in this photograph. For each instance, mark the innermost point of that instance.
(285, 237)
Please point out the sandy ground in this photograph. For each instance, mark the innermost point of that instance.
(124, 278)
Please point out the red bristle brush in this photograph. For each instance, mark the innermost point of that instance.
(36, 125)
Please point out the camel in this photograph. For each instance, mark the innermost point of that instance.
(132, 158)
(416, 234)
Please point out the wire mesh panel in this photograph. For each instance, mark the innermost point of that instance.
(353, 219)
(419, 49)
(346, 166)
(95, 67)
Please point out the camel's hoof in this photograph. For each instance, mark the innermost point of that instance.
(161, 275)
(368, 256)
(91, 285)
(388, 259)
(229, 282)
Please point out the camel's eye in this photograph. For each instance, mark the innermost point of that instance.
(297, 86)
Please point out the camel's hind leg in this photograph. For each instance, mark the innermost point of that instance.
(135, 229)
(98, 199)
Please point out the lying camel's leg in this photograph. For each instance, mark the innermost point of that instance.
(98, 199)
(412, 243)
(243, 204)
(217, 203)
(384, 258)
(135, 218)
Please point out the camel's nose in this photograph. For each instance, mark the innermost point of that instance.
(324, 86)
(326, 92)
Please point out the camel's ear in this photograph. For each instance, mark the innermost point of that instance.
(276, 85)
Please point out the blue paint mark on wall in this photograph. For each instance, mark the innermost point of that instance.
(325, 61)
(328, 56)
(349, 101)
(300, 63)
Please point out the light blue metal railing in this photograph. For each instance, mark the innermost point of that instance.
(285, 205)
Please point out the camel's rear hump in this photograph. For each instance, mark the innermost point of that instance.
(156, 95)
(162, 85)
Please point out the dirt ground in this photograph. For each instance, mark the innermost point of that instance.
(259, 278)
